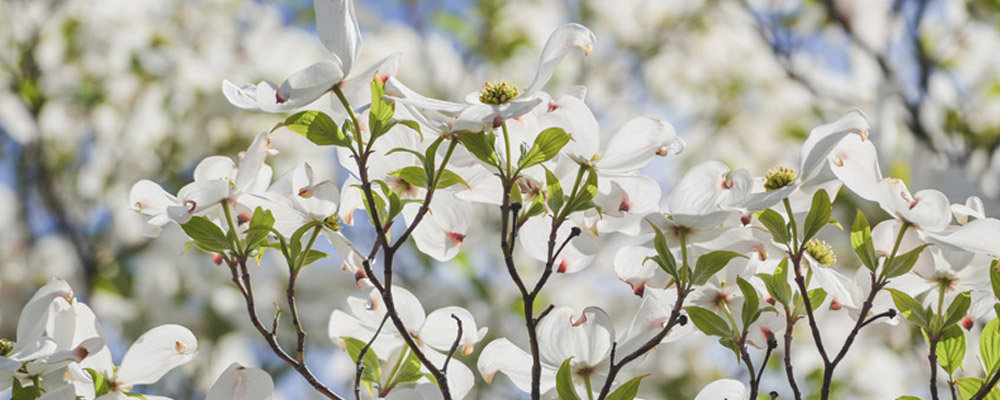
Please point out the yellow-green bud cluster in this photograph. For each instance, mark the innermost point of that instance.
(498, 92)
(821, 251)
(6, 347)
(778, 178)
(332, 222)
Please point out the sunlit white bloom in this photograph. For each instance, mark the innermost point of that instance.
(435, 332)
(728, 389)
(337, 27)
(242, 383)
(474, 115)
(153, 354)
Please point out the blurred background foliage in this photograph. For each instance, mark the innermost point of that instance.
(97, 95)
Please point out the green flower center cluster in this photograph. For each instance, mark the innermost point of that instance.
(779, 177)
(821, 251)
(498, 92)
(6, 347)
(332, 223)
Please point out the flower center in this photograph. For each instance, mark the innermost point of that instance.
(498, 92)
(821, 251)
(778, 178)
(332, 223)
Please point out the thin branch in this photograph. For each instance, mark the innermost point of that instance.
(932, 358)
(454, 345)
(789, 325)
(359, 366)
(891, 313)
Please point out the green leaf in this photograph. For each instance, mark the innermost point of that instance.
(430, 157)
(207, 235)
(316, 126)
(260, 225)
(409, 370)
(957, 309)
(628, 390)
(414, 125)
(136, 395)
(819, 215)
(313, 256)
(413, 175)
(911, 309)
(555, 191)
(816, 297)
(908, 398)
(861, 241)
(584, 199)
(564, 382)
(547, 145)
(372, 372)
(967, 387)
(296, 240)
(775, 224)
(951, 349)
(777, 283)
(708, 322)
(449, 179)
(902, 264)
(481, 145)
(664, 258)
(380, 112)
(989, 346)
(751, 303)
(708, 264)
(995, 278)
(100, 384)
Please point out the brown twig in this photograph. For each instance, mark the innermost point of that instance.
(359, 366)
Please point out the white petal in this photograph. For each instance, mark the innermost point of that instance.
(973, 207)
(440, 329)
(357, 88)
(252, 162)
(559, 44)
(64, 392)
(822, 139)
(338, 29)
(503, 356)
(149, 198)
(155, 353)
(400, 93)
(442, 231)
(350, 256)
(928, 209)
(242, 383)
(215, 168)
(35, 315)
(727, 389)
(633, 268)
(300, 89)
(571, 114)
(635, 144)
(978, 236)
(586, 338)
(244, 97)
(855, 162)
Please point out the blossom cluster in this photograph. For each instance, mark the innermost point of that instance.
(733, 256)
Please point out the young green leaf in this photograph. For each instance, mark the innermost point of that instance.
(708, 264)
(564, 382)
(775, 224)
(957, 309)
(708, 322)
(380, 111)
(449, 179)
(546, 146)
(413, 175)
(628, 390)
(481, 145)
(989, 346)
(316, 126)
(902, 264)
(751, 302)
(260, 224)
(861, 241)
(555, 191)
(206, 235)
(777, 283)
(372, 372)
(911, 309)
(409, 370)
(819, 215)
(951, 348)
(664, 257)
